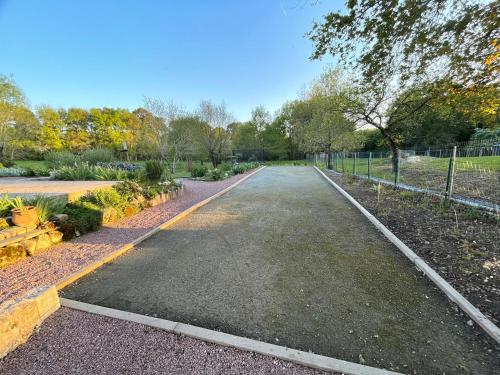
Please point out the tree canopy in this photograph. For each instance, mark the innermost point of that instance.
(453, 39)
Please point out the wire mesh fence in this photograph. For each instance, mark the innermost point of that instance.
(469, 172)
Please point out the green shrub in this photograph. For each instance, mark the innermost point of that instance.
(215, 174)
(98, 155)
(85, 172)
(58, 159)
(6, 163)
(243, 167)
(151, 191)
(106, 198)
(199, 171)
(129, 190)
(5, 205)
(12, 172)
(107, 174)
(83, 217)
(155, 170)
(81, 172)
(37, 172)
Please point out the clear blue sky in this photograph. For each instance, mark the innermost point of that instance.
(92, 53)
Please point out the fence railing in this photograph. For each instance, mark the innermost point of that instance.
(467, 173)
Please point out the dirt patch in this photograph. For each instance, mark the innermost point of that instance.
(461, 243)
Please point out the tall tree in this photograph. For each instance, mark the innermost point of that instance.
(215, 137)
(168, 111)
(76, 129)
(51, 128)
(12, 100)
(403, 44)
(146, 133)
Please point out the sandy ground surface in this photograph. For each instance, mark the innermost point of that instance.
(62, 260)
(284, 258)
(74, 342)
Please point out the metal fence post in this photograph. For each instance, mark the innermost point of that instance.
(396, 175)
(354, 165)
(370, 166)
(451, 174)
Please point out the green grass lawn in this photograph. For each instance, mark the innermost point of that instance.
(31, 164)
(382, 167)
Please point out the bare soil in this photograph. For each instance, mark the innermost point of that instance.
(461, 243)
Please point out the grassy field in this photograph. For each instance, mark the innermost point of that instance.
(31, 164)
(382, 167)
(475, 177)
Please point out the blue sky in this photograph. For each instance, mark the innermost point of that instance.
(113, 53)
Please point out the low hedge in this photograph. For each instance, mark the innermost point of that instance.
(223, 171)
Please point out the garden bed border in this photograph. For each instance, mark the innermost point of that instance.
(454, 296)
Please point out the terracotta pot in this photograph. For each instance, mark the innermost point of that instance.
(25, 217)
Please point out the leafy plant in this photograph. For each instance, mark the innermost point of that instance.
(81, 172)
(106, 198)
(215, 174)
(17, 203)
(83, 217)
(129, 167)
(12, 172)
(151, 191)
(129, 190)
(155, 170)
(199, 171)
(98, 155)
(36, 172)
(5, 205)
(58, 159)
(47, 207)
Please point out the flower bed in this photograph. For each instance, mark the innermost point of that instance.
(67, 220)
(222, 172)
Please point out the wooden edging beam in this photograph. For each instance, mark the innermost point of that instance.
(476, 315)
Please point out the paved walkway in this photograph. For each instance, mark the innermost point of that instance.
(285, 259)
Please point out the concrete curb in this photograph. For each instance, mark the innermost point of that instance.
(242, 343)
(145, 236)
(20, 317)
(476, 315)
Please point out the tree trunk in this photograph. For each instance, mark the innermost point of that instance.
(393, 147)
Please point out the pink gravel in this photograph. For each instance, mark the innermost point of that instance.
(61, 261)
(75, 342)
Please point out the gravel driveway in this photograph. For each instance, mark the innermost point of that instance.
(285, 259)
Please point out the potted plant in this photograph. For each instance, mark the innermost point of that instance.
(23, 216)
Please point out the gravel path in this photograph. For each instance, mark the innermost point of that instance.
(285, 259)
(66, 258)
(74, 342)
